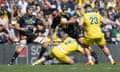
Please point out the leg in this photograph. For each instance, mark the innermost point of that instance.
(44, 44)
(18, 51)
(102, 44)
(63, 58)
(42, 59)
(43, 49)
(86, 45)
(88, 54)
(107, 52)
(92, 51)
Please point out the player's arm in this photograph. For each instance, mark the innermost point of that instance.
(81, 22)
(65, 21)
(17, 27)
(103, 20)
(108, 22)
(18, 23)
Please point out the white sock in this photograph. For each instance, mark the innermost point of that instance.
(110, 57)
(90, 58)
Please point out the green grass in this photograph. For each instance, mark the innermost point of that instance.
(61, 68)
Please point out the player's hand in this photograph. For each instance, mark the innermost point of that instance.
(73, 20)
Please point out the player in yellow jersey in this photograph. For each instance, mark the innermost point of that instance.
(93, 35)
(62, 50)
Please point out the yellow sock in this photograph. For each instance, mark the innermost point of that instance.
(37, 62)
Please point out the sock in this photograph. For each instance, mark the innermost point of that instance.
(14, 56)
(93, 53)
(43, 49)
(37, 62)
(90, 59)
(110, 57)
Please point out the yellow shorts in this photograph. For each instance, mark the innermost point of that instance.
(91, 41)
(61, 56)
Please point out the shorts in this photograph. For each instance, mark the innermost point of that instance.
(91, 41)
(62, 57)
(29, 34)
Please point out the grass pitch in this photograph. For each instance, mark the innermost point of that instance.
(60, 68)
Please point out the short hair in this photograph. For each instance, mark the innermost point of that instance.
(39, 22)
(29, 7)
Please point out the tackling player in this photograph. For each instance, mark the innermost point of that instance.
(69, 24)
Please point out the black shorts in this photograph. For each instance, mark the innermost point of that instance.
(30, 36)
(75, 36)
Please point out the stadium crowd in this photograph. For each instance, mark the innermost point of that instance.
(12, 10)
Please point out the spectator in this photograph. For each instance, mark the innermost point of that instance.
(14, 12)
(47, 21)
(11, 32)
(47, 4)
(107, 28)
(36, 9)
(72, 6)
(9, 4)
(47, 7)
(118, 35)
(81, 2)
(57, 4)
(30, 2)
(40, 15)
(3, 21)
(111, 3)
(23, 4)
(65, 5)
(3, 35)
(40, 4)
(118, 20)
(16, 2)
